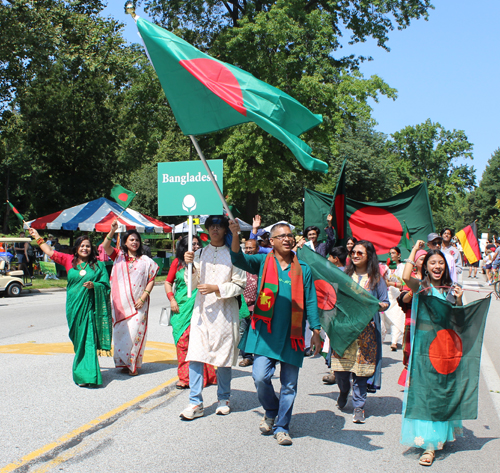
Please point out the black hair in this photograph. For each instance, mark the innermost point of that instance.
(339, 252)
(397, 250)
(449, 229)
(372, 267)
(311, 227)
(92, 255)
(182, 247)
(445, 279)
(278, 225)
(124, 239)
(221, 220)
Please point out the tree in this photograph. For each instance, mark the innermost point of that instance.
(62, 86)
(429, 152)
(488, 195)
(290, 44)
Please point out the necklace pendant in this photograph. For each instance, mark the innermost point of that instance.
(83, 272)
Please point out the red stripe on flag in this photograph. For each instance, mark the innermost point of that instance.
(472, 240)
(340, 215)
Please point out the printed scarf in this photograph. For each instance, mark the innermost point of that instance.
(268, 291)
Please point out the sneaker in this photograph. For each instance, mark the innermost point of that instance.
(223, 408)
(192, 412)
(359, 416)
(342, 400)
(283, 438)
(266, 425)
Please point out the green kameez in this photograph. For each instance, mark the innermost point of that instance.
(277, 344)
(83, 322)
(181, 321)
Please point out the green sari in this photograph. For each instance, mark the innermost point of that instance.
(89, 329)
(181, 321)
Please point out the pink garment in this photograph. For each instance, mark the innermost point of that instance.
(250, 292)
(129, 278)
(102, 255)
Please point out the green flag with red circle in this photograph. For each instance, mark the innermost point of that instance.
(345, 308)
(123, 196)
(386, 223)
(445, 360)
(208, 95)
(16, 212)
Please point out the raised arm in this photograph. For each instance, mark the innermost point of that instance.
(412, 283)
(43, 246)
(106, 244)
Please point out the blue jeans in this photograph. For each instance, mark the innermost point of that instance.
(196, 383)
(359, 392)
(278, 409)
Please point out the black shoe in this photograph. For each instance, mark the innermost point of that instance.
(308, 352)
(342, 400)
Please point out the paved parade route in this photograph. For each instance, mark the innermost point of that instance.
(131, 423)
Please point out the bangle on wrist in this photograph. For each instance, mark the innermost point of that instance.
(110, 239)
(170, 296)
(40, 241)
(410, 261)
(145, 290)
(141, 299)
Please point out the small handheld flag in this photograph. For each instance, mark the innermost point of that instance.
(122, 196)
(470, 245)
(405, 241)
(18, 215)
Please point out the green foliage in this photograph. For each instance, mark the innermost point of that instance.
(488, 196)
(428, 152)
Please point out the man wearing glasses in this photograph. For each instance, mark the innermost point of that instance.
(286, 298)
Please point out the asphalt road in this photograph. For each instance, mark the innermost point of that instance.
(132, 424)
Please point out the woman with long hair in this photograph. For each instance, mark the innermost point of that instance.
(363, 358)
(351, 241)
(394, 317)
(436, 280)
(87, 306)
(132, 280)
(182, 309)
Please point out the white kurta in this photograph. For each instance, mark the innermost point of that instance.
(394, 317)
(214, 334)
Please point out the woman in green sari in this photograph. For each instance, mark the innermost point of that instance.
(87, 306)
(182, 309)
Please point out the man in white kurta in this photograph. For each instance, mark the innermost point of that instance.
(214, 334)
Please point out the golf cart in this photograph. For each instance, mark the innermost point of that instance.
(11, 280)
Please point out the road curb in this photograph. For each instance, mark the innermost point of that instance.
(59, 289)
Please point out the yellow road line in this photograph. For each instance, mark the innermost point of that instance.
(65, 438)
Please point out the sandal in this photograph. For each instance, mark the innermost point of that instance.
(427, 458)
(182, 386)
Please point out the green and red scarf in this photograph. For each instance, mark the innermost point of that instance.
(268, 291)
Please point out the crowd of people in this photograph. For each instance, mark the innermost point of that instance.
(259, 303)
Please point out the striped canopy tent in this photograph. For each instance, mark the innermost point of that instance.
(98, 215)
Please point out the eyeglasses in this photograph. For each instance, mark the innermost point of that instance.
(358, 253)
(214, 227)
(284, 236)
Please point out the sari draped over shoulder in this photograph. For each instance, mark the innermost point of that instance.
(88, 316)
(129, 278)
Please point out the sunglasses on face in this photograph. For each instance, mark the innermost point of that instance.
(284, 236)
(358, 253)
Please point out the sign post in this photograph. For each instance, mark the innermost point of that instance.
(185, 188)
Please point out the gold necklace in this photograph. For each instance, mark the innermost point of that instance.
(82, 270)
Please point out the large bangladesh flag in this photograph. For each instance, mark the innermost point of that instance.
(345, 308)
(382, 222)
(445, 358)
(207, 95)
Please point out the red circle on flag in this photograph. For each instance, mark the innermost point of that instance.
(377, 225)
(123, 197)
(327, 297)
(445, 351)
(265, 300)
(203, 237)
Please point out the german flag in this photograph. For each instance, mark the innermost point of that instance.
(469, 242)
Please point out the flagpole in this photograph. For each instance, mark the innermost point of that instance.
(214, 182)
(190, 248)
(26, 223)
